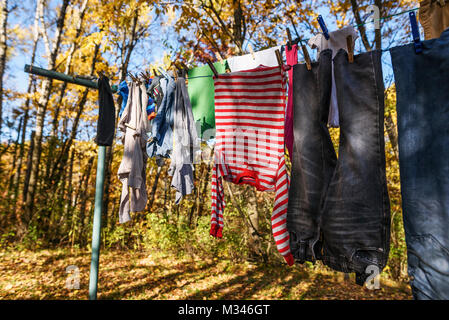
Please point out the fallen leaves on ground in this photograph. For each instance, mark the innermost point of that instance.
(153, 275)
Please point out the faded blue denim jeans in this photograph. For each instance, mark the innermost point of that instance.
(422, 85)
(339, 209)
(161, 141)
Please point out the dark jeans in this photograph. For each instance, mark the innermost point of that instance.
(339, 209)
(423, 126)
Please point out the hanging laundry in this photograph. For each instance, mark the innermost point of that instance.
(265, 57)
(292, 59)
(434, 17)
(313, 158)
(132, 169)
(339, 209)
(185, 139)
(123, 91)
(106, 113)
(161, 142)
(423, 116)
(249, 116)
(201, 93)
(337, 41)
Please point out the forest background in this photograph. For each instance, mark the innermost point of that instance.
(48, 157)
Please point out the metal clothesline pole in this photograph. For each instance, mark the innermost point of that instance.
(96, 228)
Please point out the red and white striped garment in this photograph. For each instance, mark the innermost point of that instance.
(249, 118)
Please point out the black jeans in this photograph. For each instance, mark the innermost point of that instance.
(423, 130)
(339, 210)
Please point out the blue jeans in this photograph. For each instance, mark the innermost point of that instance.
(422, 85)
(161, 143)
(339, 209)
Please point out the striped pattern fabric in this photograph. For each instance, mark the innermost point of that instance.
(249, 117)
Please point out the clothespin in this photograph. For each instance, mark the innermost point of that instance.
(175, 73)
(154, 72)
(289, 36)
(323, 27)
(250, 47)
(415, 32)
(306, 57)
(350, 46)
(218, 55)
(211, 66)
(132, 77)
(279, 58)
(184, 66)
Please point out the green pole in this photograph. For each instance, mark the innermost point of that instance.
(96, 229)
(64, 77)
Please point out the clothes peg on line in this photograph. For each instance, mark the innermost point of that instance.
(218, 55)
(306, 57)
(323, 27)
(415, 32)
(211, 66)
(349, 44)
(289, 36)
(279, 58)
(250, 47)
(132, 77)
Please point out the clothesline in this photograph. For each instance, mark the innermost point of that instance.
(355, 26)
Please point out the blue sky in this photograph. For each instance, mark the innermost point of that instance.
(146, 52)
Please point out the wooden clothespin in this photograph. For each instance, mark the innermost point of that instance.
(279, 58)
(132, 77)
(350, 45)
(289, 36)
(218, 55)
(323, 27)
(306, 57)
(211, 66)
(250, 47)
(175, 73)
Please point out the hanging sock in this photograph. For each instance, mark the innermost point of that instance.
(132, 170)
(292, 59)
(265, 58)
(336, 42)
(434, 17)
(106, 113)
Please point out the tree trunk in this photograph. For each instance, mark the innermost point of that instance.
(41, 111)
(23, 219)
(3, 48)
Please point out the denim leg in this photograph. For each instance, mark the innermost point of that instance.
(313, 158)
(356, 210)
(423, 136)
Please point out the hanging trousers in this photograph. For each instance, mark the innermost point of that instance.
(423, 115)
(339, 209)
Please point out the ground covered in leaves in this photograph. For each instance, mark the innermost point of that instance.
(150, 275)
